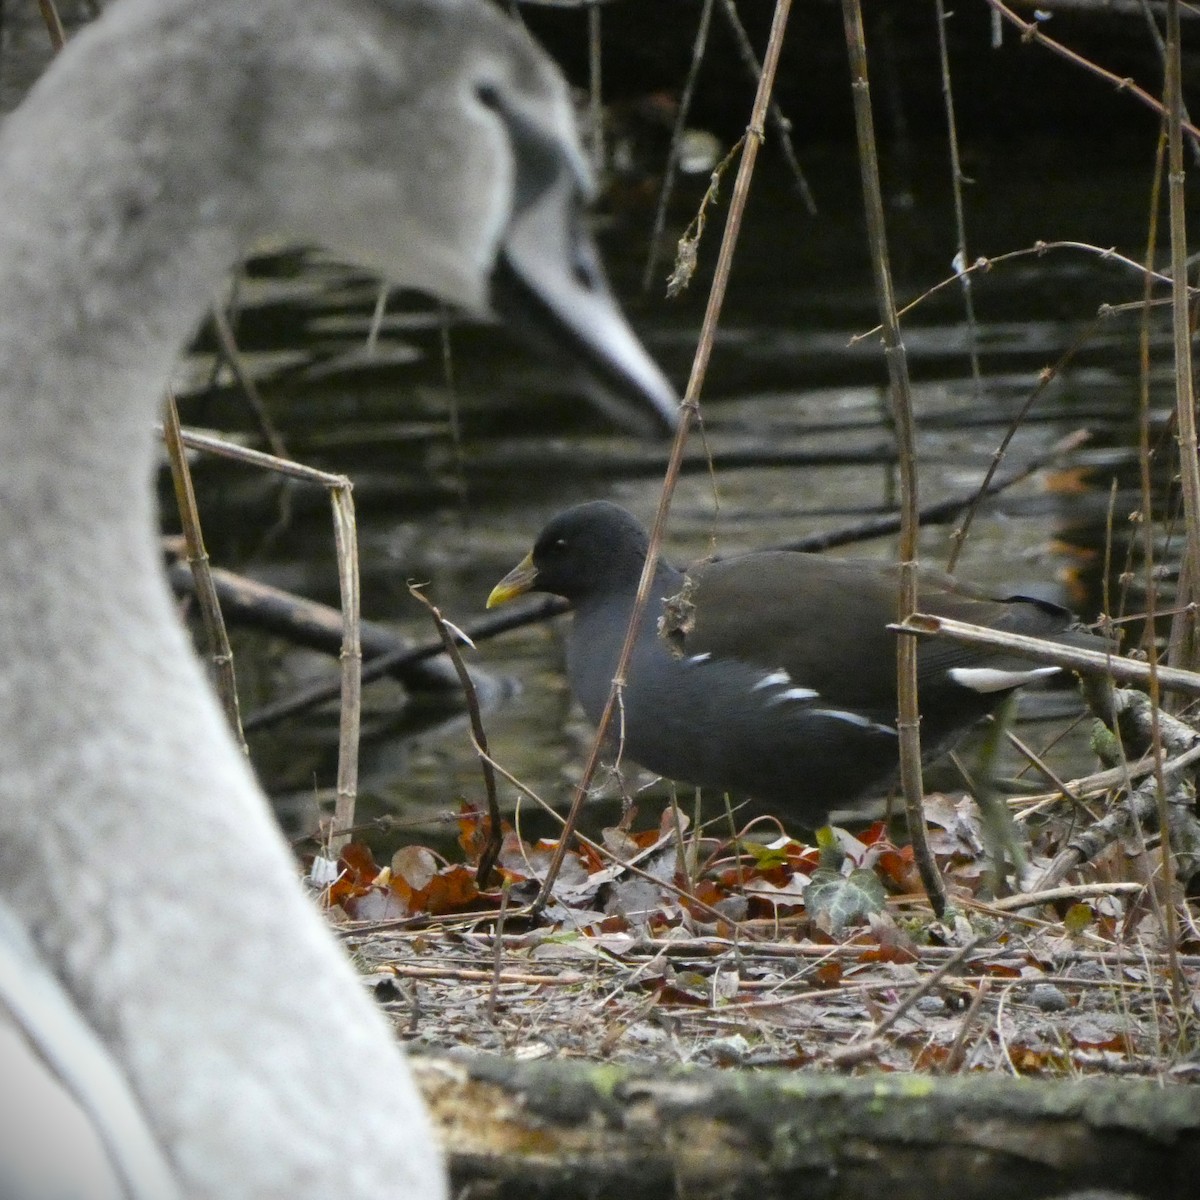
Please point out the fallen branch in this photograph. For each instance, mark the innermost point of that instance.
(567, 1130)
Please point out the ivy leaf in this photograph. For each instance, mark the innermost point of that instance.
(834, 900)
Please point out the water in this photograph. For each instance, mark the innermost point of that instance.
(795, 420)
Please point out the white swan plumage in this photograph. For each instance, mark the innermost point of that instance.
(140, 869)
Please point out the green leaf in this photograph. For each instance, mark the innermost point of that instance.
(837, 900)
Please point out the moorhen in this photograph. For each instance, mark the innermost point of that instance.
(773, 674)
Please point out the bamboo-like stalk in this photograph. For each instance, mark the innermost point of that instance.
(219, 650)
(1147, 531)
(908, 718)
(345, 532)
(1183, 624)
(211, 444)
(1073, 658)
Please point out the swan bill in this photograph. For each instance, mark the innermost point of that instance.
(581, 329)
(548, 286)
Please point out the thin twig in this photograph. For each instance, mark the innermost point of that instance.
(476, 975)
(1077, 891)
(1184, 649)
(781, 123)
(927, 984)
(961, 257)
(1038, 250)
(227, 341)
(1184, 632)
(1103, 8)
(453, 408)
(1157, 38)
(1040, 764)
(450, 636)
(956, 1049)
(688, 413)
(939, 510)
(54, 25)
(1031, 32)
(497, 954)
(1148, 550)
(394, 661)
(676, 147)
(595, 92)
(1044, 379)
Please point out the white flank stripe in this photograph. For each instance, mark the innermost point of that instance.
(853, 718)
(775, 679)
(796, 693)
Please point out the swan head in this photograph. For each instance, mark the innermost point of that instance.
(449, 138)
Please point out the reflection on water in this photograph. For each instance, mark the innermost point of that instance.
(795, 423)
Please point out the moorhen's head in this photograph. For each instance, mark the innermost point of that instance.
(587, 551)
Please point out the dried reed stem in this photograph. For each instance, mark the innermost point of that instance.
(908, 719)
(219, 650)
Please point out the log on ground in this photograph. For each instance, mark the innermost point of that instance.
(565, 1130)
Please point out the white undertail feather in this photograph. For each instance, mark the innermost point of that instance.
(991, 679)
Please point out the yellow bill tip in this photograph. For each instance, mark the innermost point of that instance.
(517, 582)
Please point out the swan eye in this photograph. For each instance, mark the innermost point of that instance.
(488, 94)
